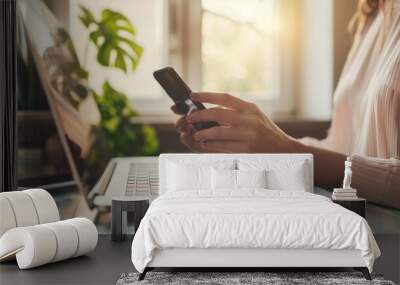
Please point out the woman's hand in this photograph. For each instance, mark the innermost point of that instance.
(244, 128)
(185, 129)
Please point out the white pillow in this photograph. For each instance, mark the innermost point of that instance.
(223, 179)
(292, 180)
(251, 179)
(281, 175)
(237, 179)
(186, 175)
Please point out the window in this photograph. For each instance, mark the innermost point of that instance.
(245, 49)
(240, 47)
(223, 46)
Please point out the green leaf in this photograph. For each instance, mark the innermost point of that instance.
(120, 62)
(113, 17)
(113, 34)
(95, 36)
(86, 17)
(104, 54)
(117, 135)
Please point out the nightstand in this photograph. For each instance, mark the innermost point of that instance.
(355, 205)
(119, 208)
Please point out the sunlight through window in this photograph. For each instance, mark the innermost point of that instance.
(240, 47)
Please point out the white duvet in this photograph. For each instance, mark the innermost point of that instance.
(250, 219)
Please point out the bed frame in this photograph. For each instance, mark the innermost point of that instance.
(242, 259)
(245, 258)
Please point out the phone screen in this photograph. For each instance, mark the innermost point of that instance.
(179, 92)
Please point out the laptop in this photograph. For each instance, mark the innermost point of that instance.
(75, 113)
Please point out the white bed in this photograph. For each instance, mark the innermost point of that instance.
(249, 227)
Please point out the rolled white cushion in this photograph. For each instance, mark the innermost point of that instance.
(40, 244)
(23, 208)
(7, 218)
(87, 235)
(45, 205)
(26, 208)
(67, 240)
(33, 246)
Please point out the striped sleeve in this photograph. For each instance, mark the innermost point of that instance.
(377, 180)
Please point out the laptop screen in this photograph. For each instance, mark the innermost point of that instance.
(65, 83)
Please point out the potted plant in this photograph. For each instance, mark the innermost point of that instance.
(116, 135)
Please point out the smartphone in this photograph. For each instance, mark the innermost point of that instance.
(179, 92)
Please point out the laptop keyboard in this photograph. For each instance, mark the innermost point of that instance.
(142, 179)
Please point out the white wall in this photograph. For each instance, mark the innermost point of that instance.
(316, 57)
(323, 44)
(149, 19)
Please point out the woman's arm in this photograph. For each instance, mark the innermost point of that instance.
(328, 165)
(377, 179)
(244, 128)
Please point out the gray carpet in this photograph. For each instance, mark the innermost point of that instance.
(231, 278)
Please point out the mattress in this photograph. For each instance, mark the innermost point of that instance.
(250, 219)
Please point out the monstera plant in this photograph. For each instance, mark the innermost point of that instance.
(113, 33)
(116, 135)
